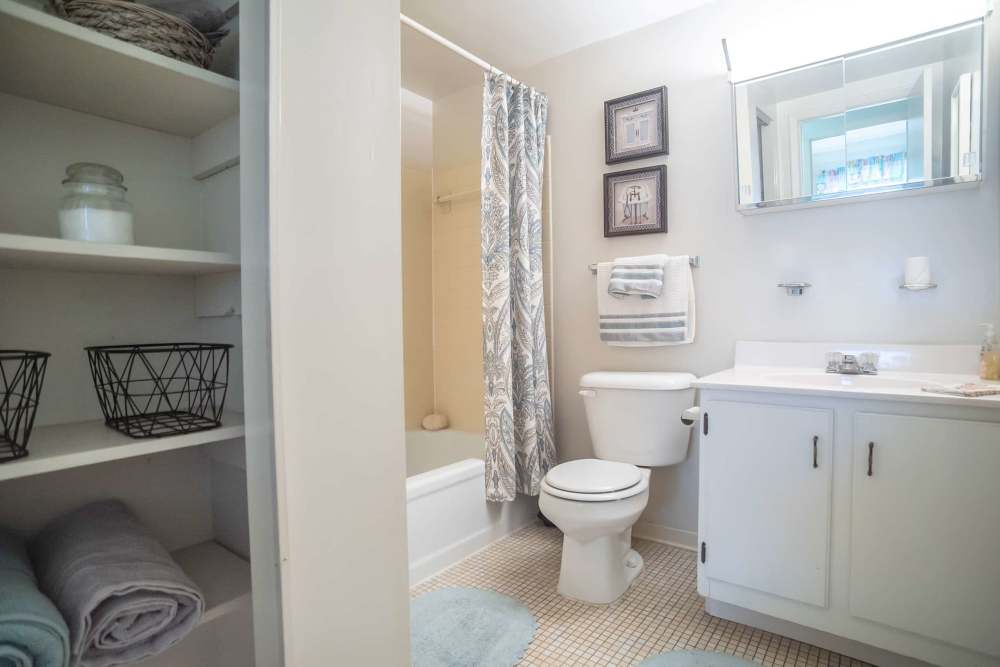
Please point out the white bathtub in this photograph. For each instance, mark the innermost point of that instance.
(447, 514)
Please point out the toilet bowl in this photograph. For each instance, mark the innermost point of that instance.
(635, 420)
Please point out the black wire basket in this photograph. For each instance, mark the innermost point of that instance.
(163, 389)
(22, 373)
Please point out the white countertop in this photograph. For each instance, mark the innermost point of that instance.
(811, 381)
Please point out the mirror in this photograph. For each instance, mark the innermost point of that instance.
(896, 117)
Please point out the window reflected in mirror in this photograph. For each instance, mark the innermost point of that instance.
(905, 115)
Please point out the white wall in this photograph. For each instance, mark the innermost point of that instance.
(336, 330)
(852, 254)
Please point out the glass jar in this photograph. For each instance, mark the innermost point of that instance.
(94, 207)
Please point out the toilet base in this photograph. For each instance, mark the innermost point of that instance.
(598, 571)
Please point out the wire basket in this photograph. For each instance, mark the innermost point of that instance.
(163, 389)
(22, 373)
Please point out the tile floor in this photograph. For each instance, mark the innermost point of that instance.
(661, 612)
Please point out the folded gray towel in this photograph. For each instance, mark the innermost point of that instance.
(122, 595)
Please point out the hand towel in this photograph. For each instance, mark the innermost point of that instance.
(666, 320)
(639, 276)
(969, 389)
(122, 595)
(32, 631)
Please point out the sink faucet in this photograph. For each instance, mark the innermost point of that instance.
(865, 363)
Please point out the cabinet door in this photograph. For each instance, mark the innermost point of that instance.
(925, 544)
(767, 497)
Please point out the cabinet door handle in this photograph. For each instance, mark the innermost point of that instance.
(871, 453)
(815, 454)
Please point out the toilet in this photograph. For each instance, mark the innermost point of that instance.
(637, 421)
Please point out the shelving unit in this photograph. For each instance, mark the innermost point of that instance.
(39, 252)
(44, 58)
(64, 446)
(222, 576)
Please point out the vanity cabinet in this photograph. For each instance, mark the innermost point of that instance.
(768, 495)
(796, 536)
(925, 527)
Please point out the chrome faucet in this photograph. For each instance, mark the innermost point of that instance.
(865, 363)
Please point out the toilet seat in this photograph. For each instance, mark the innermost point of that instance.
(594, 480)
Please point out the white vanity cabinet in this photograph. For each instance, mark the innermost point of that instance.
(893, 566)
(925, 527)
(768, 495)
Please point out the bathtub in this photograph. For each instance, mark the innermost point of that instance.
(447, 514)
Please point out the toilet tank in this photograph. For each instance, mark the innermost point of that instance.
(636, 417)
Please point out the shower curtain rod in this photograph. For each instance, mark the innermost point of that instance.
(448, 44)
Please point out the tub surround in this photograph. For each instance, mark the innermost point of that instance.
(890, 537)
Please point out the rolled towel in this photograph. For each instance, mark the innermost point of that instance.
(32, 632)
(638, 276)
(122, 595)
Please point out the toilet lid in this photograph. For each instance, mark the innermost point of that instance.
(593, 476)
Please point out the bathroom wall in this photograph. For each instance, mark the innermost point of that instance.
(458, 338)
(418, 315)
(851, 253)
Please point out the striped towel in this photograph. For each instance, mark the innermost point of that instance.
(969, 389)
(640, 276)
(666, 320)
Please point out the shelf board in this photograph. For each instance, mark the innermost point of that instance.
(64, 446)
(48, 59)
(41, 252)
(222, 576)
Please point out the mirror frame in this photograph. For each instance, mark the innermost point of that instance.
(926, 186)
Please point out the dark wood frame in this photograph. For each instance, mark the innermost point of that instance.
(661, 204)
(609, 127)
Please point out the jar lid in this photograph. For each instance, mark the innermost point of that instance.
(91, 172)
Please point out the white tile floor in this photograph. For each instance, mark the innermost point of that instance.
(661, 612)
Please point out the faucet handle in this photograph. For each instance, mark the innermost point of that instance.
(868, 362)
(833, 361)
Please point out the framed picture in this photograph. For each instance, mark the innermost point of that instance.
(635, 201)
(635, 126)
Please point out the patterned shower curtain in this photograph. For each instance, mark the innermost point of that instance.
(518, 403)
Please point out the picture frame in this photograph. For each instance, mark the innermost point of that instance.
(635, 201)
(635, 126)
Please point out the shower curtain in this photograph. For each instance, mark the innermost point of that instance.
(518, 402)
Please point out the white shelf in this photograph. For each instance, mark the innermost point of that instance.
(41, 252)
(64, 446)
(222, 576)
(48, 59)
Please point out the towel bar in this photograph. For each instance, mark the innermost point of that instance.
(693, 260)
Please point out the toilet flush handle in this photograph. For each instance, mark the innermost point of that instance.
(588, 393)
(690, 416)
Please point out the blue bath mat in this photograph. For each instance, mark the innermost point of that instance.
(461, 627)
(695, 659)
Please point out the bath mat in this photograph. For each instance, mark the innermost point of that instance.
(695, 659)
(460, 627)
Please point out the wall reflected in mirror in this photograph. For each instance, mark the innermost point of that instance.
(905, 115)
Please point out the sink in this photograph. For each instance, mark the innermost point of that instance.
(835, 380)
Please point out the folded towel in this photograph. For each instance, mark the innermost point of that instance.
(969, 389)
(666, 320)
(122, 595)
(640, 276)
(32, 631)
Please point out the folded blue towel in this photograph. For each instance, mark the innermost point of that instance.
(637, 276)
(32, 631)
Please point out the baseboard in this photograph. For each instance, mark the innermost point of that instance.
(675, 537)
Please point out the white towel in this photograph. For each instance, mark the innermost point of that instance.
(666, 320)
(639, 276)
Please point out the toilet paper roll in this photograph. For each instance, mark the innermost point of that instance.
(918, 271)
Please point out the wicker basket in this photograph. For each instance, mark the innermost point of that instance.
(140, 25)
